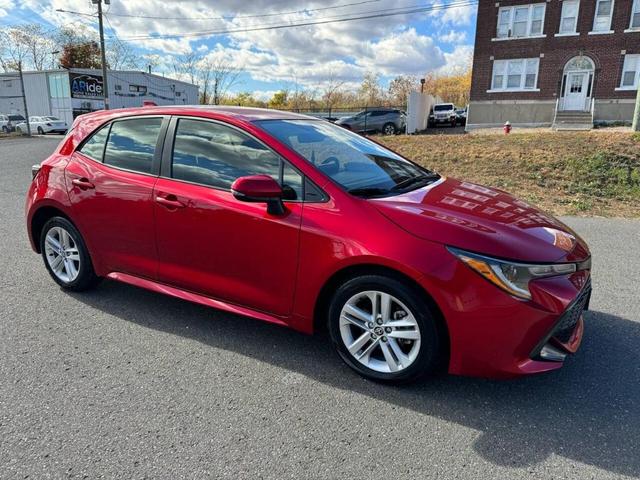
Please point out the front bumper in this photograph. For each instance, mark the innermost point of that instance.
(495, 335)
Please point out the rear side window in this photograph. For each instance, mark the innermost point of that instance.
(132, 144)
(213, 154)
(94, 147)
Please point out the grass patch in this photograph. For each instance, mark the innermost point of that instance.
(584, 173)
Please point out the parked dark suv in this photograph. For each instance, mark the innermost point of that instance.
(388, 121)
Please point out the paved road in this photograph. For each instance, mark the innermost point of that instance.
(125, 383)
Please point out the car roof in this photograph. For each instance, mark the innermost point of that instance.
(247, 114)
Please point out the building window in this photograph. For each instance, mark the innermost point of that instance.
(515, 75)
(59, 85)
(631, 72)
(569, 18)
(521, 21)
(138, 88)
(602, 18)
(635, 14)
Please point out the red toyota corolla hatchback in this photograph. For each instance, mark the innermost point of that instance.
(298, 222)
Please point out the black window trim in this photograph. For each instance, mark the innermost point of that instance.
(167, 158)
(158, 152)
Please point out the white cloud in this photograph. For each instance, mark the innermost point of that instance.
(459, 15)
(458, 60)
(5, 7)
(453, 37)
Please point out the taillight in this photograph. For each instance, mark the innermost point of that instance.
(48, 124)
(34, 170)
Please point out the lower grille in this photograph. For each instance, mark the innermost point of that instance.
(569, 319)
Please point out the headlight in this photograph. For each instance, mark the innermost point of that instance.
(512, 277)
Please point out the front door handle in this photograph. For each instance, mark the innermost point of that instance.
(170, 201)
(83, 183)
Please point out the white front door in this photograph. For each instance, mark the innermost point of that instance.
(575, 95)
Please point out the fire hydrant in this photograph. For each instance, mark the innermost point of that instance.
(507, 128)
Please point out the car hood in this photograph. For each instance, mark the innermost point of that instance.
(345, 119)
(483, 220)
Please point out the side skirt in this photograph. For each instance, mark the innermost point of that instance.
(194, 297)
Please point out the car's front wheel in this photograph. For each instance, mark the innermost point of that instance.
(389, 129)
(383, 329)
(66, 256)
(40, 131)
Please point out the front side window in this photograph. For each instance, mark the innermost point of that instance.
(360, 166)
(521, 21)
(635, 14)
(132, 144)
(94, 147)
(212, 154)
(602, 18)
(516, 74)
(631, 72)
(569, 17)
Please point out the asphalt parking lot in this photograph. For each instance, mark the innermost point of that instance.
(124, 383)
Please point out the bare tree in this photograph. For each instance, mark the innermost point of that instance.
(216, 77)
(331, 90)
(187, 65)
(400, 87)
(121, 56)
(13, 48)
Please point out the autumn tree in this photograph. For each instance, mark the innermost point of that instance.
(454, 87)
(400, 87)
(29, 44)
(279, 99)
(81, 55)
(370, 91)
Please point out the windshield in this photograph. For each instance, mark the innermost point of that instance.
(16, 117)
(360, 166)
(443, 108)
(53, 119)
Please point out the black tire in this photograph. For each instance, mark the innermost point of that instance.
(389, 129)
(40, 131)
(5, 130)
(428, 358)
(87, 277)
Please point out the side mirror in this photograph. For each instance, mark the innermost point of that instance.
(259, 189)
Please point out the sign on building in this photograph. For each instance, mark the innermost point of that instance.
(84, 85)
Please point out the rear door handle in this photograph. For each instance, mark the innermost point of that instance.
(169, 201)
(83, 183)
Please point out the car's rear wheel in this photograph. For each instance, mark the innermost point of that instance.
(40, 131)
(66, 256)
(389, 129)
(5, 130)
(383, 329)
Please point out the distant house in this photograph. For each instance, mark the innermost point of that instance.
(562, 62)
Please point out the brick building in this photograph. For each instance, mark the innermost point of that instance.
(555, 62)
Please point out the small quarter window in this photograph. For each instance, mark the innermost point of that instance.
(132, 144)
(94, 147)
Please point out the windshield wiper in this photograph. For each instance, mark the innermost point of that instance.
(368, 191)
(415, 180)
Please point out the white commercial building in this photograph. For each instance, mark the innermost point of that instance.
(68, 93)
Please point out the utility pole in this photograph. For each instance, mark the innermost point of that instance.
(635, 126)
(102, 52)
(24, 98)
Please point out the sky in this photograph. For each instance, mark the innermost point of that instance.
(411, 43)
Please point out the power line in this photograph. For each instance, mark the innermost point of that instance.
(387, 13)
(262, 15)
(223, 17)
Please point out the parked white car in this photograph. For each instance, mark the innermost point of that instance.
(4, 123)
(42, 125)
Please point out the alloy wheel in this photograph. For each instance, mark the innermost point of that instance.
(379, 331)
(62, 254)
(389, 130)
